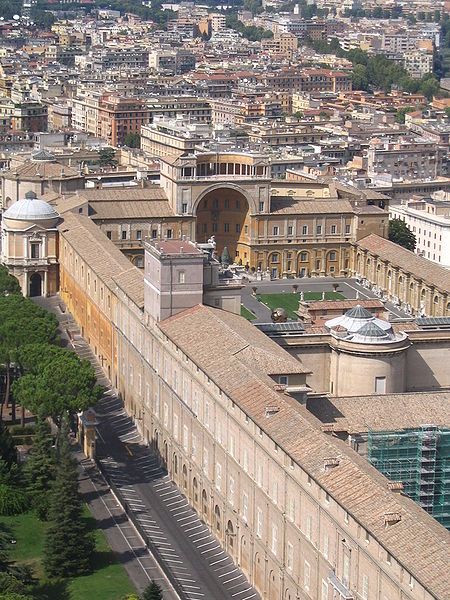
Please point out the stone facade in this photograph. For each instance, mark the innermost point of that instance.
(296, 510)
(292, 228)
(419, 286)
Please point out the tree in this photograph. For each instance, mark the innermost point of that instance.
(40, 468)
(402, 112)
(107, 157)
(132, 140)
(55, 381)
(226, 258)
(401, 234)
(9, 584)
(8, 451)
(8, 283)
(13, 500)
(21, 322)
(359, 78)
(153, 592)
(68, 545)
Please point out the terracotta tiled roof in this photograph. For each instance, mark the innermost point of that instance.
(105, 259)
(358, 414)
(310, 207)
(409, 262)
(417, 541)
(42, 169)
(131, 210)
(137, 194)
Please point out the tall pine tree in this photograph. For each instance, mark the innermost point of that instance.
(40, 468)
(68, 544)
(7, 447)
(153, 592)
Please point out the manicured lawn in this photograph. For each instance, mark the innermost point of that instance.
(289, 301)
(247, 313)
(109, 580)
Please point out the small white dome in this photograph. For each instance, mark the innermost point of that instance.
(30, 209)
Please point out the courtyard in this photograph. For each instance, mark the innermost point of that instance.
(260, 298)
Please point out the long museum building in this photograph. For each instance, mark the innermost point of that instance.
(298, 509)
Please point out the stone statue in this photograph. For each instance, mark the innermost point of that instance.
(279, 315)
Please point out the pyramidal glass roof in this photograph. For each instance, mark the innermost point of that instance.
(371, 329)
(359, 312)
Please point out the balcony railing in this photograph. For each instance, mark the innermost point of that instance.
(221, 177)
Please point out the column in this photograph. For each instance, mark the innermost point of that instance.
(44, 290)
(25, 284)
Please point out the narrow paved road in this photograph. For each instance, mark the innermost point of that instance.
(192, 556)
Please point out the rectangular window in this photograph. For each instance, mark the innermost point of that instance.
(305, 230)
(245, 460)
(175, 426)
(154, 234)
(290, 230)
(283, 379)
(307, 576)
(138, 234)
(291, 508)
(108, 234)
(245, 507)
(232, 445)
(231, 491)
(261, 207)
(214, 227)
(308, 527)
(380, 385)
(276, 230)
(169, 234)
(333, 229)
(347, 229)
(326, 545)
(124, 235)
(184, 208)
(324, 590)
(346, 570)
(259, 522)
(274, 543)
(319, 229)
(205, 459)
(218, 476)
(289, 556)
(35, 250)
(181, 277)
(365, 587)
(238, 228)
(275, 491)
(226, 227)
(185, 437)
(259, 474)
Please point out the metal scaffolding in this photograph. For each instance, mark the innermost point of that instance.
(420, 459)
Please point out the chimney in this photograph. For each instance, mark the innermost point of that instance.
(392, 519)
(395, 486)
(331, 463)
